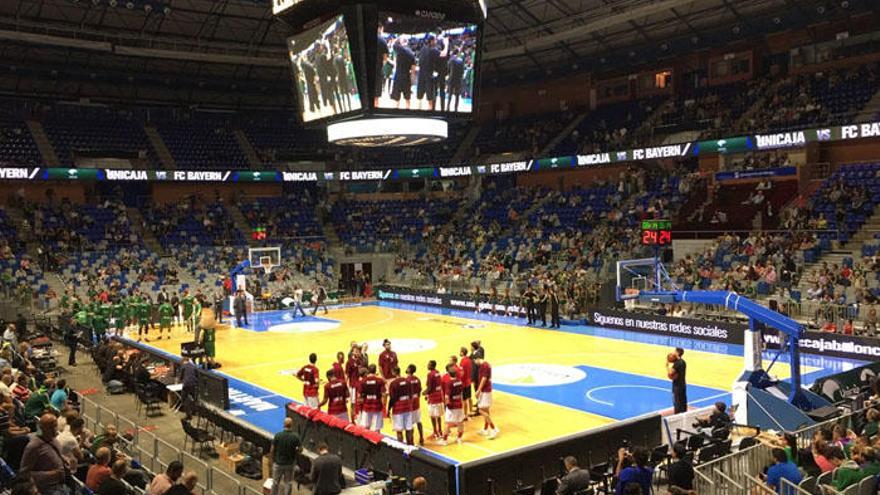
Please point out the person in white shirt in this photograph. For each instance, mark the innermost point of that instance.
(297, 300)
(6, 383)
(9, 335)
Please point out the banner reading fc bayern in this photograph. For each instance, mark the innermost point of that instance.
(758, 142)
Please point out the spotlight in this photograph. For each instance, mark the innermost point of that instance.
(129, 5)
(113, 3)
(844, 4)
(735, 29)
(166, 10)
(777, 20)
(148, 8)
(820, 9)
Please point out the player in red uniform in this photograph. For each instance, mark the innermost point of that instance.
(452, 389)
(387, 360)
(415, 395)
(352, 371)
(357, 404)
(372, 392)
(339, 366)
(310, 377)
(335, 396)
(466, 369)
(434, 395)
(484, 397)
(400, 406)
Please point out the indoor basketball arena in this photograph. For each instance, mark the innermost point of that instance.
(458, 247)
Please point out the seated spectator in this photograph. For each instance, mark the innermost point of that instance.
(638, 474)
(718, 418)
(575, 479)
(873, 420)
(100, 470)
(8, 425)
(20, 391)
(822, 455)
(419, 486)
(108, 439)
(162, 483)
(70, 444)
(681, 471)
(862, 464)
(114, 484)
(782, 469)
(187, 485)
(58, 400)
(829, 327)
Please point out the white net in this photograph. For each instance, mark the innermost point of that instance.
(266, 258)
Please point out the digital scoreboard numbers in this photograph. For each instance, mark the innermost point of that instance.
(656, 232)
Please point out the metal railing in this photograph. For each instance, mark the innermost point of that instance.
(719, 476)
(155, 454)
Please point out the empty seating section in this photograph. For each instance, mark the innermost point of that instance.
(17, 146)
(521, 134)
(278, 138)
(608, 127)
(96, 132)
(713, 108)
(193, 224)
(845, 201)
(202, 144)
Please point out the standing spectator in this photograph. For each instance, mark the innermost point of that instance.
(677, 371)
(162, 483)
(326, 472)
(42, 459)
(285, 447)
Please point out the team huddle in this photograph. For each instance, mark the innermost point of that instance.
(364, 393)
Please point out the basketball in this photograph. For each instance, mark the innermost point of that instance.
(672, 357)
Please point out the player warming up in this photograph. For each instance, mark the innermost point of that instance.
(415, 394)
(308, 374)
(452, 389)
(335, 396)
(372, 393)
(484, 397)
(400, 406)
(434, 396)
(676, 370)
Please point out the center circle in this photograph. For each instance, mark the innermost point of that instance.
(401, 346)
(536, 374)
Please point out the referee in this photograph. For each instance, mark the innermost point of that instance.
(529, 296)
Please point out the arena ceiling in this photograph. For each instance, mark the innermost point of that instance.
(202, 51)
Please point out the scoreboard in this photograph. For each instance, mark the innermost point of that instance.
(357, 59)
(656, 233)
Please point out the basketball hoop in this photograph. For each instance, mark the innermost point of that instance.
(266, 264)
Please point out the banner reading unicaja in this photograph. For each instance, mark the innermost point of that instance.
(737, 144)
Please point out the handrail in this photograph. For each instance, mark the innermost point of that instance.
(727, 478)
(148, 444)
(759, 485)
(793, 488)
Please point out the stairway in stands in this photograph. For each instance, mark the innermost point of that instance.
(161, 149)
(247, 148)
(239, 221)
(138, 225)
(47, 151)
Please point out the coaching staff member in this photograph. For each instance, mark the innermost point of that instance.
(326, 472)
(676, 369)
(404, 62)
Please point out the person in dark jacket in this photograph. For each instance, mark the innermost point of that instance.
(575, 479)
(240, 306)
(681, 471)
(553, 299)
(326, 472)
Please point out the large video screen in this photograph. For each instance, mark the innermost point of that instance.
(323, 71)
(425, 64)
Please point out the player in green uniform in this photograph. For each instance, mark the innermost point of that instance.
(118, 312)
(187, 302)
(101, 321)
(196, 316)
(209, 341)
(131, 311)
(166, 313)
(143, 311)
